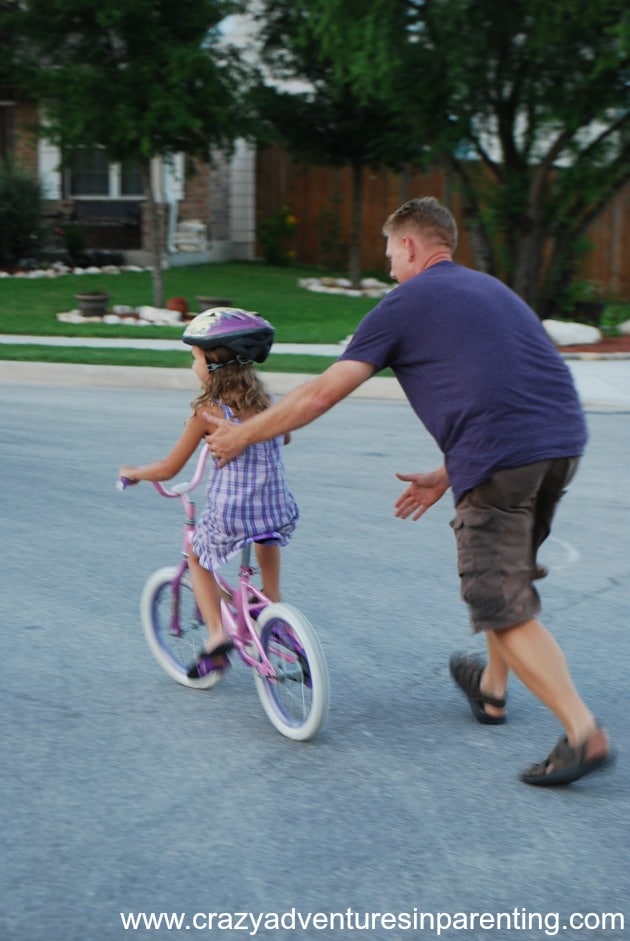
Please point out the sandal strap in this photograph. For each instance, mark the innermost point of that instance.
(219, 651)
(493, 700)
(468, 674)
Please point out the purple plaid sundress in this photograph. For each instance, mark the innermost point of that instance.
(246, 499)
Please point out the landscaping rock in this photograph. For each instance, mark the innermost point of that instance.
(570, 334)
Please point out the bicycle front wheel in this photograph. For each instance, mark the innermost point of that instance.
(172, 627)
(296, 699)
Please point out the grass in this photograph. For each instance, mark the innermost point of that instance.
(29, 306)
(42, 353)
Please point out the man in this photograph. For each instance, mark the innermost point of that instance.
(481, 374)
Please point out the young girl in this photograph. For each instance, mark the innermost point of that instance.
(248, 499)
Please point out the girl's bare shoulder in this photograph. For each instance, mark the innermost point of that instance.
(200, 416)
(209, 408)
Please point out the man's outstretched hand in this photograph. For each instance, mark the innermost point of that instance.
(423, 491)
(226, 441)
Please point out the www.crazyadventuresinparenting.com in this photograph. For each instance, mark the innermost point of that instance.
(414, 921)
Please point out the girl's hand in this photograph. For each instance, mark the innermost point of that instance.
(127, 471)
(423, 491)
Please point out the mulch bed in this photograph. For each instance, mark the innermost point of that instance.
(605, 345)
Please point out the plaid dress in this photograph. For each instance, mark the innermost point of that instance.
(247, 499)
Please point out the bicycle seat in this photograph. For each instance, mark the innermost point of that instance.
(268, 539)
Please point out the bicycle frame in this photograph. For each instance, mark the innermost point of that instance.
(239, 605)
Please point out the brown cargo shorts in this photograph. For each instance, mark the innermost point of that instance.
(499, 527)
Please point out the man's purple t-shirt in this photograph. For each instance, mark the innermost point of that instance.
(478, 369)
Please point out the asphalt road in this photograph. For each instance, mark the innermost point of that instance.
(125, 793)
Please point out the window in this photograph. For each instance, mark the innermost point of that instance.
(90, 174)
(130, 179)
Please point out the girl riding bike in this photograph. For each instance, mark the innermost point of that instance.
(248, 500)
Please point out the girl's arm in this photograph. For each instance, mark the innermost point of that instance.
(167, 467)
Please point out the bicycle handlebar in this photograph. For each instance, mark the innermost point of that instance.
(178, 489)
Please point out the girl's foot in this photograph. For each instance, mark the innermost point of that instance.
(210, 660)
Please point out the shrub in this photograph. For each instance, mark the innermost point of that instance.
(20, 216)
(275, 235)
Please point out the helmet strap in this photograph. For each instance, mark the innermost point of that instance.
(238, 361)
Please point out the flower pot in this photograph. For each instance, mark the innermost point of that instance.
(92, 303)
(205, 301)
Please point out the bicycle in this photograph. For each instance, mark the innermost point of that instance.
(274, 639)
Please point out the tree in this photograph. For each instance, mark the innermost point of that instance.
(543, 98)
(140, 79)
(331, 120)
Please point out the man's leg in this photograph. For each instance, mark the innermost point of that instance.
(536, 659)
(494, 679)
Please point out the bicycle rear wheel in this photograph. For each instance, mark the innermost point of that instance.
(174, 650)
(296, 699)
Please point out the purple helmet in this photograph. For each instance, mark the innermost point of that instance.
(246, 333)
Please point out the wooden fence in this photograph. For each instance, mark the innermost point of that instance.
(320, 199)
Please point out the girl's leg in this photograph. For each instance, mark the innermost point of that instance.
(208, 598)
(268, 559)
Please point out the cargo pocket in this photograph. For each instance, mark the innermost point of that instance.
(478, 562)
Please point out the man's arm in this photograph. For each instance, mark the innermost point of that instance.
(300, 407)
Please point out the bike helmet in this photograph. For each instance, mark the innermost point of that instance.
(244, 332)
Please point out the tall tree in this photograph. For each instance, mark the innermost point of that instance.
(330, 119)
(140, 79)
(542, 95)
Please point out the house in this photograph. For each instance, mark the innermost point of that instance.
(208, 209)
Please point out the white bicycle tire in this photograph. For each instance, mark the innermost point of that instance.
(162, 645)
(310, 711)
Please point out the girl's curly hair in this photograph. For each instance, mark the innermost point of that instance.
(237, 385)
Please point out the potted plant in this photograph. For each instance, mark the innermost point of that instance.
(92, 303)
(206, 301)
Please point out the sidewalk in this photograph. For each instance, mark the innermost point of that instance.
(603, 383)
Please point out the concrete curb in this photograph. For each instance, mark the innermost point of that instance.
(153, 377)
(601, 387)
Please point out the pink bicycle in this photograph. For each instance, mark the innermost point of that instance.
(274, 639)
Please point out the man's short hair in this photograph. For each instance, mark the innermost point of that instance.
(428, 216)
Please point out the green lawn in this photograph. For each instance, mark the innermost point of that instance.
(300, 316)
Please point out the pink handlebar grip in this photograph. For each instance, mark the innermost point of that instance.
(122, 483)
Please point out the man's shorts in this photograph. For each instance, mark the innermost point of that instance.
(499, 527)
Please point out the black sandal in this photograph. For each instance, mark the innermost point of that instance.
(567, 763)
(466, 670)
(209, 661)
